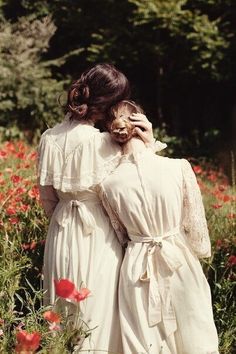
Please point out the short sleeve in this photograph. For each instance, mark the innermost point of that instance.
(76, 160)
(119, 228)
(194, 220)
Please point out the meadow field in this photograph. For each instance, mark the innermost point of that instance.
(26, 326)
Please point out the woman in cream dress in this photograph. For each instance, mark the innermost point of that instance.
(155, 206)
(81, 244)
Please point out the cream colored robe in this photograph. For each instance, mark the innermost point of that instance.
(155, 206)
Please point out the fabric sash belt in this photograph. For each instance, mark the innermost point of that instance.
(162, 262)
(65, 211)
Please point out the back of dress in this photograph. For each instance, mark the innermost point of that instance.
(81, 244)
(156, 202)
(75, 156)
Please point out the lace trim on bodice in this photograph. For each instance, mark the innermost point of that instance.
(69, 165)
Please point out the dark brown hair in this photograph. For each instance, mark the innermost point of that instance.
(96, 91)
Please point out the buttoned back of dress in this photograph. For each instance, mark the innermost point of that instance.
(146, 191)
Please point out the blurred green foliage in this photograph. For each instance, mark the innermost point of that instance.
(178, 54)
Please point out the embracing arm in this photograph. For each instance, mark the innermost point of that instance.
(194, 220)
(47, 193)
(119, 228)
(48, 198)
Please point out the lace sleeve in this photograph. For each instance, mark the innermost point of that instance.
(156, 145)
(114, 218)
(194, 220)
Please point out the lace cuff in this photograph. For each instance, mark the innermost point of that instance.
(194, 220)
(119, 228)
(156, 145)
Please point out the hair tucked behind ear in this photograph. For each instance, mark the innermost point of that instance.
(96, 91)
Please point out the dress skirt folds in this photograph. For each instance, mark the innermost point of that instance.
(81, 244)
(164, 298)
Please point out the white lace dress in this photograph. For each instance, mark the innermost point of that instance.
(164, 298)
(81, 244)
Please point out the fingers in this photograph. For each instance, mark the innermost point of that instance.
(141, 121)
(138, 117)
(144, 125)
(140, 133)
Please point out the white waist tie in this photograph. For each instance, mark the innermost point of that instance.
(161, 264)
(65, 211)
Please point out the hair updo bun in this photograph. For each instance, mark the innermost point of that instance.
(78, 96)
(96, 91)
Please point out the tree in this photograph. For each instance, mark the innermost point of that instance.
(28, 91)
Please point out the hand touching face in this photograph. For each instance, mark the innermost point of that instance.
(130, 121)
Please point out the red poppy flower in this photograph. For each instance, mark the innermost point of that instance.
(10, 146)
(24, 207)
(27, 342)
(14, 221)
(222, 187)
(20, 190)
(25, 246)
(216, 206)
(34, 192)
(11, 210)
(33, 245)
(52, 316)
(197, 169)
(33, 155)
(20, 155)
(219, 243)
(212, 177)
(64, 288)
(231, 216)
(232, 260)
(81, 295)
(16, 179)
(3, 154)
(226, 198)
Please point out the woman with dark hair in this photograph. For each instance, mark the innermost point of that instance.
(155, 206)
(73, 158)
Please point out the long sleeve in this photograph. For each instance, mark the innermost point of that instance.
(194, 220)
(120, 230)
(48, 198)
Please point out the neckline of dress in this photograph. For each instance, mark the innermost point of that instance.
(134, 156)
(83, 122)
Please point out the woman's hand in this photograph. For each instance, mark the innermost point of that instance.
(143, 128)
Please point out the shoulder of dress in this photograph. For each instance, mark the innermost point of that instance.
(186, 166)
(48, 139)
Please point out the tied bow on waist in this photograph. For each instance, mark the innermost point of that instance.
(66, 210)
(162, 262)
